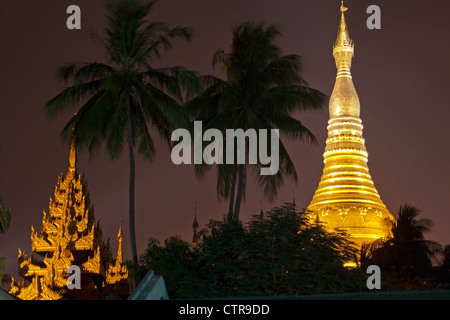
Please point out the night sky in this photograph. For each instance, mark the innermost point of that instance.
(401, 74)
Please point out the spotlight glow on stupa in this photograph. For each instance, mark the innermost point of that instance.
(346, 198)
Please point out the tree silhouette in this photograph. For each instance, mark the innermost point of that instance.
(121, 98)
(407, 253)
(262, 90)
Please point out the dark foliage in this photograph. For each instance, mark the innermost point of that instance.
(277, 254)
(407, 260)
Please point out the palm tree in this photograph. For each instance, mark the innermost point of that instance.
(261, 91)
(121, 97)
(407, 252)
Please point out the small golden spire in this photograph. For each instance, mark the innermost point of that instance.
(120, 239)
(120, 233)
(73, 153)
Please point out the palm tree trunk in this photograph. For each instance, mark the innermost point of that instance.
(240, 191)
(233, 190)
(131, 220)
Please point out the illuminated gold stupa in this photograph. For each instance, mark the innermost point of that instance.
(70, 236)
(346, 198)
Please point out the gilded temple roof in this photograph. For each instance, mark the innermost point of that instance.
(69, 236)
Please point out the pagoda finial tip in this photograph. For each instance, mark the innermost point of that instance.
(120, 233)
(72, 157)
(73, 152)
(343, 41)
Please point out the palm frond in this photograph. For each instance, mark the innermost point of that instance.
(270, 184)
(174, 80)
(283, 71)
(164, 41)
(205, 103)
(292, 98)
(71, 96)
(91, 72)
(293, 129)
(91, 121)
(66, 72)
(124, 20)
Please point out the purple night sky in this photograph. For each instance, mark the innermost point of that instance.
(401, 74)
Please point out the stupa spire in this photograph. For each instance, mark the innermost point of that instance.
(119, 258)
(344, 100)
(117, 272)
(343, 48)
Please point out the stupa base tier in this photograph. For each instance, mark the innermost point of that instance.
(362, 223)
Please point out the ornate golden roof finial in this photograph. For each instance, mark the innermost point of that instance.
(73, 153)
(72, 158)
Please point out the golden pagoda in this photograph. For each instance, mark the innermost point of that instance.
(69, 236)
(346, 198)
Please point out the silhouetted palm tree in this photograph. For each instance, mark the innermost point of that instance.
(407, 252)
(121, 98)
(446, 262)
(261, 91)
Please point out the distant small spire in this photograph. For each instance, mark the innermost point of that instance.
(293, 196)
(261, 213)
(195, 227)
(195, 223)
